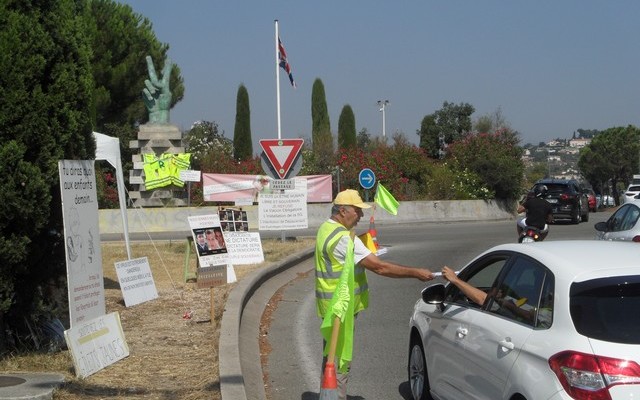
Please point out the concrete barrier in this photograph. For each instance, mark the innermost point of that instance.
(142, 220)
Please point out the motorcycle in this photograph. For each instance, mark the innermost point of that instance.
(530, 234)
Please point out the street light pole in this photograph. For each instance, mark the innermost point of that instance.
(383, 104)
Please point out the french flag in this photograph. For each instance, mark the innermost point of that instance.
(284, 64)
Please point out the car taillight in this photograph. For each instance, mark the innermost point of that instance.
(589, 377)
(636, 239)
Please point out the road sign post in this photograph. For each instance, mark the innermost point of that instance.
(367, 179)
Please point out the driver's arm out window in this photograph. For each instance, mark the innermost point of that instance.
(483, 277)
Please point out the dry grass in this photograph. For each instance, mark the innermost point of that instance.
(170, 357)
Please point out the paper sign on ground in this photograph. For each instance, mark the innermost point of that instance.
(136, 281)
(96, 344)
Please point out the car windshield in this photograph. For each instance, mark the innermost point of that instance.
(607, 308)
(633, 189)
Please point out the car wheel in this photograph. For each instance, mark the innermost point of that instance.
(585, 217)
(575, 218)
(417, 369)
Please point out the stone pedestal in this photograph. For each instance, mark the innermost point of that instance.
(156, 139)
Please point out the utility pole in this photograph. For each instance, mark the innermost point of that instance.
(383, 104)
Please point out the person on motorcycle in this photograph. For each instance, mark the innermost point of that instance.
(539, 212)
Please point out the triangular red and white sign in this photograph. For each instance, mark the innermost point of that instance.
(281, 153)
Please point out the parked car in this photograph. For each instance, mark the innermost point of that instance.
(606, 201)
(592, 200)
(573, 335)
(631, 193)
(569, 199)
(622, 224)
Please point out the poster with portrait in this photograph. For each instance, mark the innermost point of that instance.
(208, 239)
(233, 220)
(243, 247)
(212, 253)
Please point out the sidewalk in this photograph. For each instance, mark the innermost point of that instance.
(28, 385)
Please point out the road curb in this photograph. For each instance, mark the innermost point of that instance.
(232, 385)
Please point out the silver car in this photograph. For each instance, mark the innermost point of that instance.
(574, 334)
(622, 225)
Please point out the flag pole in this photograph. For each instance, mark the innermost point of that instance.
(277, 81)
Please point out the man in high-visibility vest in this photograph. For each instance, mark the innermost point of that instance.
(332, 243)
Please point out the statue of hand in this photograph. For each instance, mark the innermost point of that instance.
(157, 94)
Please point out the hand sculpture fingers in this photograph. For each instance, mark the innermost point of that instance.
(152, 71)
(166, 73)
(151, 88)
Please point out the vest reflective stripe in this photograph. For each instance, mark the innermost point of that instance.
(328, 270)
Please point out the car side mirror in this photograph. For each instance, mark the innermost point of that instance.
(433, 294)
(601, 226)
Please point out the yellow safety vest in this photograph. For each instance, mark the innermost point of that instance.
(156, 171)
(328, 270)
(164, 171)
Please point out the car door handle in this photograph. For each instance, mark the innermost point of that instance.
(461, 332)
(506, 344)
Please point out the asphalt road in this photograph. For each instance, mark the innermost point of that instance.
(381, 343)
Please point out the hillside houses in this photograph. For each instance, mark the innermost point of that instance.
(560, 155)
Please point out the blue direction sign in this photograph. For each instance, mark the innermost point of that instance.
(367, 178)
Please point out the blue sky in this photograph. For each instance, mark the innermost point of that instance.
(551, 67)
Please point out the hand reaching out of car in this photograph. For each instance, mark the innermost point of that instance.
(449, 274)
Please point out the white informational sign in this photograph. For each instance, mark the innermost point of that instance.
(189, 175)
(136, 281)
(284, 211)
(211, 248)
(244, 247)
(82, 240)
(97, 343)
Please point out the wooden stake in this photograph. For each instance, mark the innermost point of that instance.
(213, 309)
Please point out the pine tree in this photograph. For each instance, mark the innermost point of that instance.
(242, 146)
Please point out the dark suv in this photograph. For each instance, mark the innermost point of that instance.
(568, 198)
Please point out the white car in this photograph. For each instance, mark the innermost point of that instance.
(574, 333)
(622, 225)
(631, 193)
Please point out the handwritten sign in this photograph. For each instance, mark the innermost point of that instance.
(82, 240)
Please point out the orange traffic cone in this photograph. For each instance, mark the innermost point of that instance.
(329, 387)
(373, 232)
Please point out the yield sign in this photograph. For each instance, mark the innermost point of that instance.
(281, 153)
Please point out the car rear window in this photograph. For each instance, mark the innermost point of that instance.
(557, 188)
(633, 189)
(607, 308)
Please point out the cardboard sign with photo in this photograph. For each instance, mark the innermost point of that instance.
(209, 240)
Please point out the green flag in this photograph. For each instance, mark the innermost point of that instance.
(386, 200)
(342, 305)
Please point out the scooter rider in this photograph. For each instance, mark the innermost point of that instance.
(538, 212)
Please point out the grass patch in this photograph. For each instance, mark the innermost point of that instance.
(170, 357)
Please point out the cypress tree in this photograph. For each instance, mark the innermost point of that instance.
(242, 146)
(321, 128)
(347, 128)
